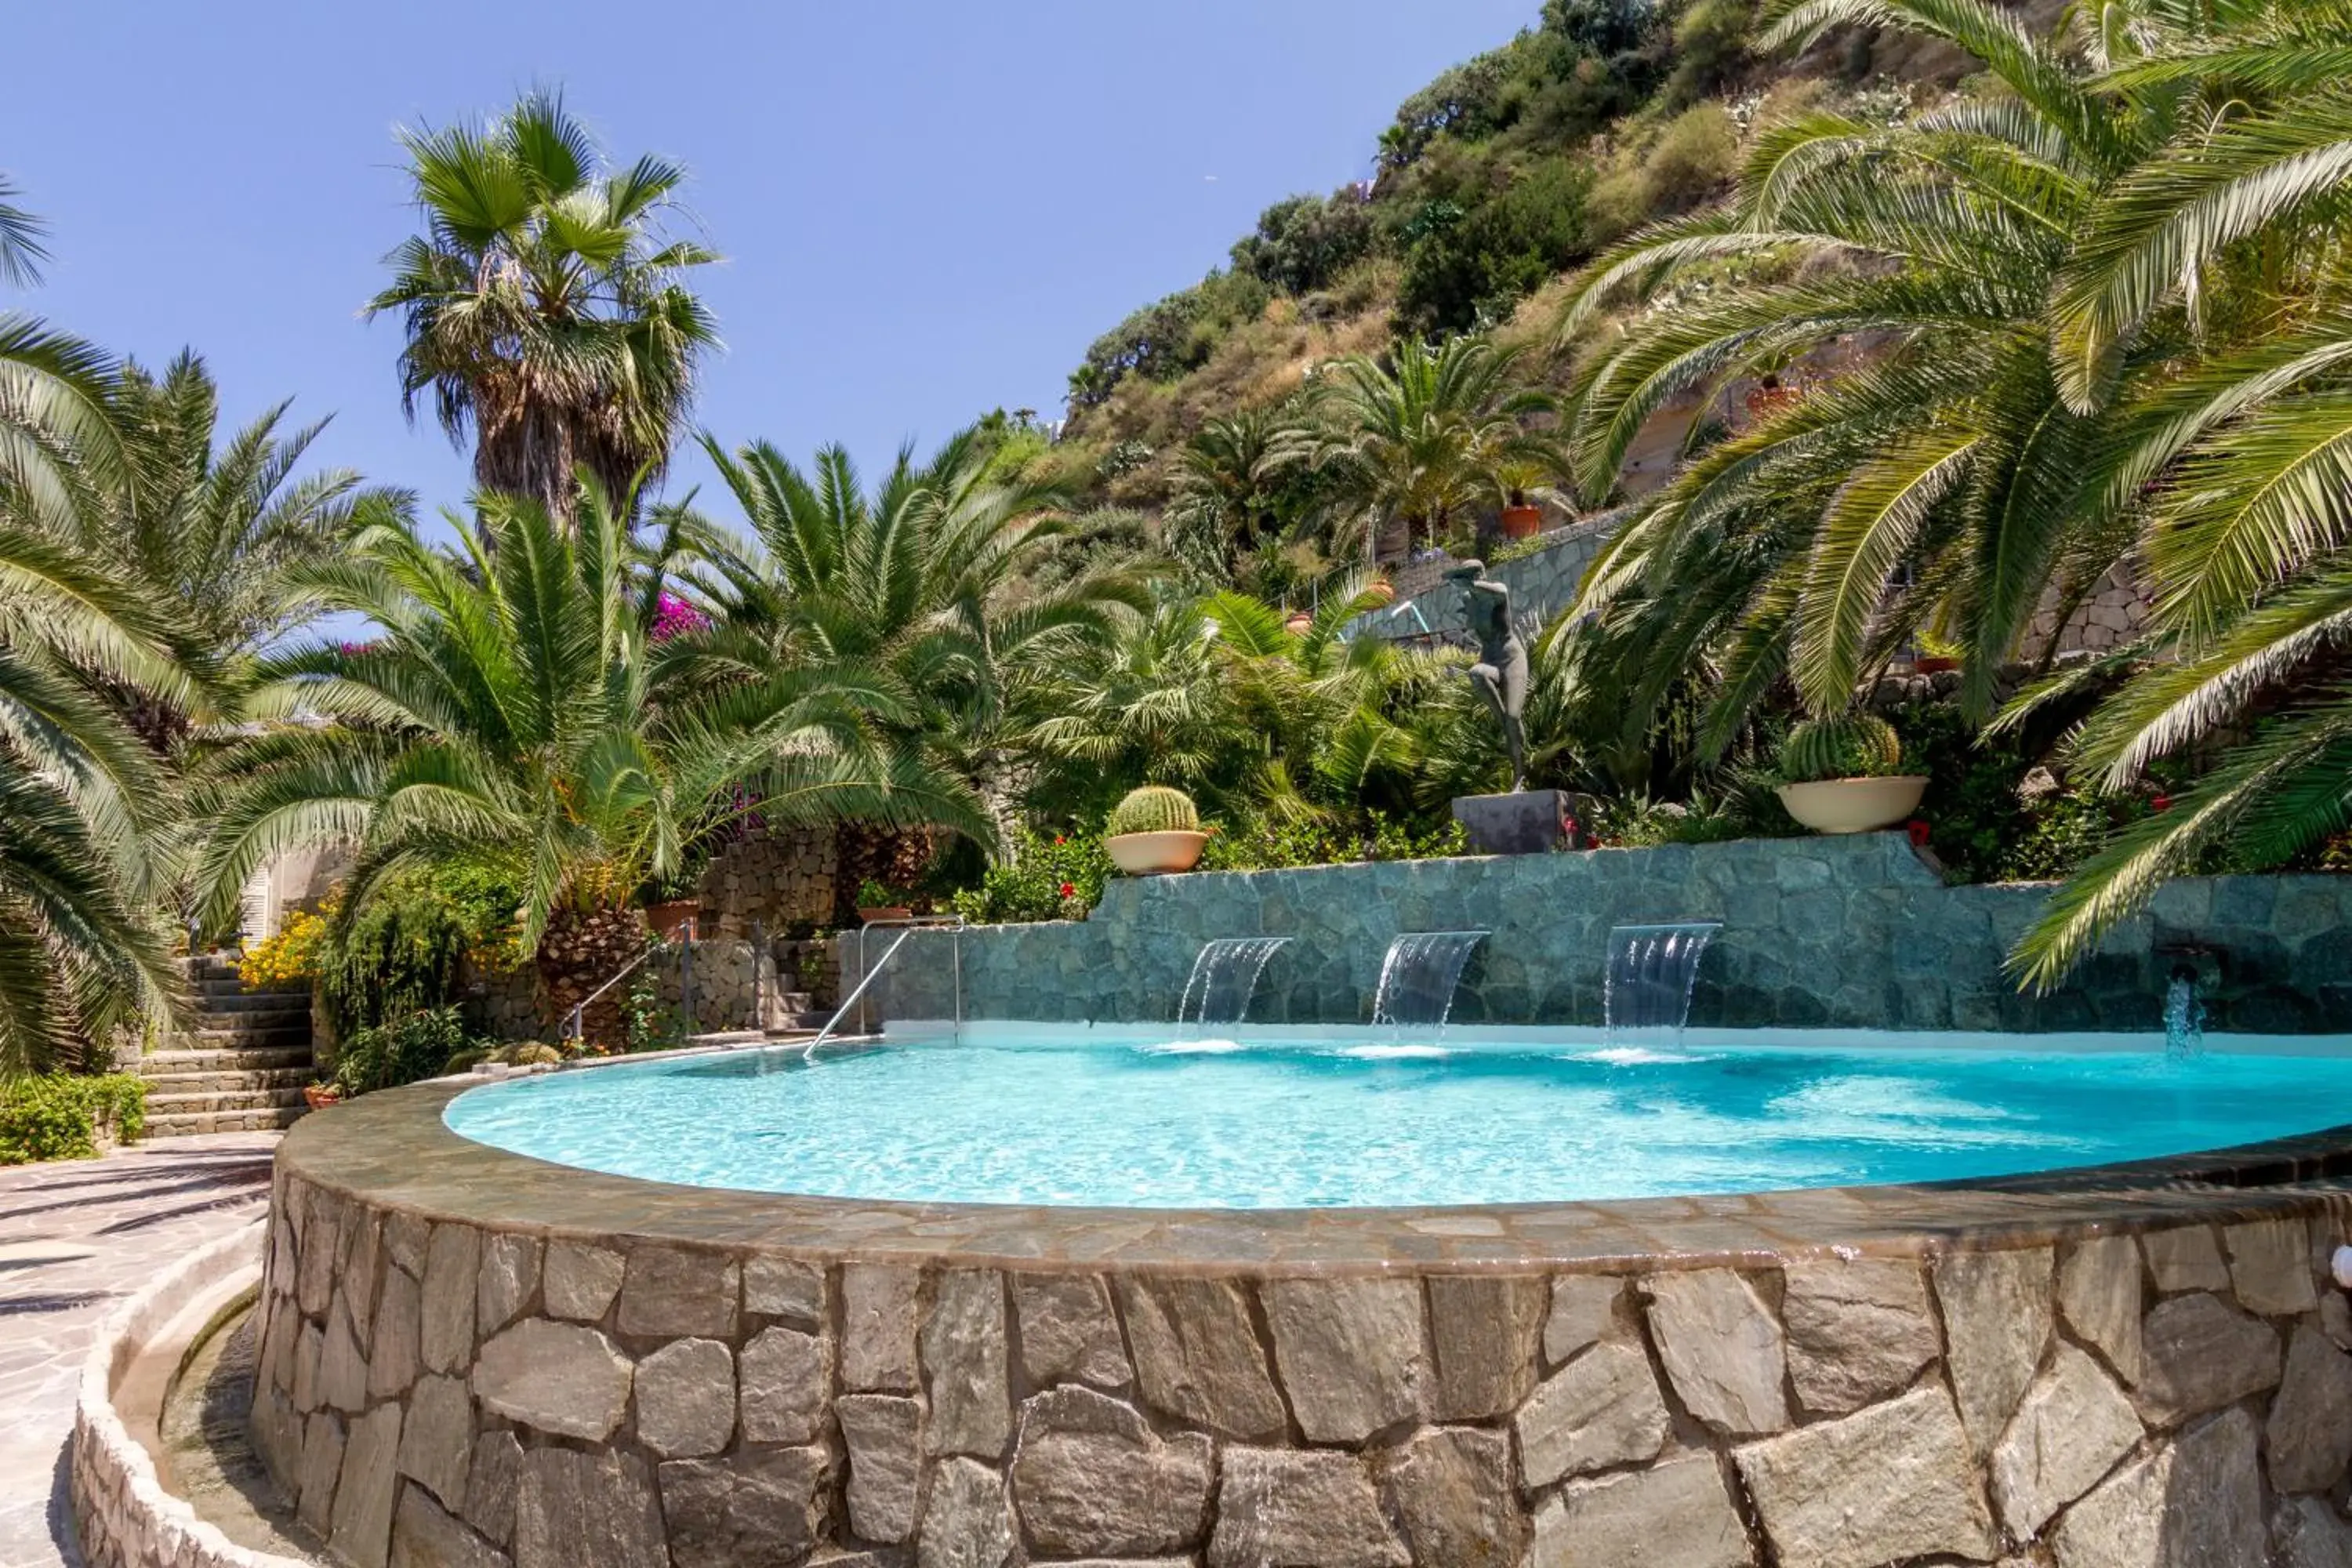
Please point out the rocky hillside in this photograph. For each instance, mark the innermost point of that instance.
(1493, 184)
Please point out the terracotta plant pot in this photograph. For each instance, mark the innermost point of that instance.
(1933, 664)
(1522, 522)
(1298, 622)
(318, 1096)
(671, 916)
(1854, 805)
(1152, 854)
(1380, 590)
(869, 914)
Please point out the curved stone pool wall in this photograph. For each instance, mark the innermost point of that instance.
(471, 1357)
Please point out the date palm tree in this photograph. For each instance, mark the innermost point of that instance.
(511, 714)
(2243, 462)
(1948, 481)
(1434, 431)
(547, 311)
(932, 575)
(82, 808)
(21, 248)
(205, 529)
(1228, 477)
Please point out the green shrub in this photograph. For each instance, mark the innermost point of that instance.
(1154, 808)
(1849, 746)
(1265, 846)
(1461, 261)
(1056, 877)
(1697, 152)
(58, 1116)
(405, 1050)
(399, 953)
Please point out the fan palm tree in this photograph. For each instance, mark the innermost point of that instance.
(511, 714)
(1434, 432)
(546, 311)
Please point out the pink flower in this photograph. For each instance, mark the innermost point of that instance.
(673, 617)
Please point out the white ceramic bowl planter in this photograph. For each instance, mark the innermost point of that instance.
(1855, 805)
(1150, 854)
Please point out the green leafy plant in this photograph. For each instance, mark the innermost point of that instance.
(873, 894)
(1054, 877)
(648, 1023)
(58, 1116)
(1154, 808)
(1846, 746)
(1265, 844)
(404, 1049)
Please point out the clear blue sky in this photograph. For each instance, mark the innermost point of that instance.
(927, 210)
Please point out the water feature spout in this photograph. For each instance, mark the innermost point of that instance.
(1224, 977)
(1420, 975)
(1652, 970)
(2184, 1015)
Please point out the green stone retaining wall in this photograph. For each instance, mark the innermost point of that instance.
(1853, 932)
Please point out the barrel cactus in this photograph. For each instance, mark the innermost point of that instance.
(1155, 808)
(1848, 746)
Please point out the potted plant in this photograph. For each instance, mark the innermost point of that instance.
(879, 901)
(1936, 655)
(670, 917)
(1155, 829)
(1841, 775)
(1298, 622)
(318, 1096)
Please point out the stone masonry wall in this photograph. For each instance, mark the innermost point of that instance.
(736, 985)
(434, 1391)
(1845, 932)
(784, 881)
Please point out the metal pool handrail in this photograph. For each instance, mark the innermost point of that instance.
(953, 924)
(576, 1024)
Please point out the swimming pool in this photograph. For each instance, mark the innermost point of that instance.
(1315, 1118)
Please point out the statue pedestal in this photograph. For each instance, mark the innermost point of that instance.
(1530, 822)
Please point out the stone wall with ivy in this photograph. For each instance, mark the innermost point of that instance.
(1855, 933)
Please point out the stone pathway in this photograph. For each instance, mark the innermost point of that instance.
(75, 1238)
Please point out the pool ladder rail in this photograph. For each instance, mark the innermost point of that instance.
(868, 972)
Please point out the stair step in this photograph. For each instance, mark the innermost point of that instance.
(195, 1123)
(235, 1100)
(215, 1059)
(284, 1038)
(245, 1002)
(230, 1080)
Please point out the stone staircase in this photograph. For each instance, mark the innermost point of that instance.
(241, 1068)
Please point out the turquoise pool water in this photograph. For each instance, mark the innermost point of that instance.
(1037, 1115)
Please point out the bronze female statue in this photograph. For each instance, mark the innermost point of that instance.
(1500, 676)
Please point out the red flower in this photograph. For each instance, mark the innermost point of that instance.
(1918, 831)
(1069, 889)
(1059, 839)
(2162, 803)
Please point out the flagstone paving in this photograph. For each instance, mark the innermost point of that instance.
(75, 1238)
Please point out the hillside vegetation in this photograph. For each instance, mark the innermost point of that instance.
(1493, 184)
